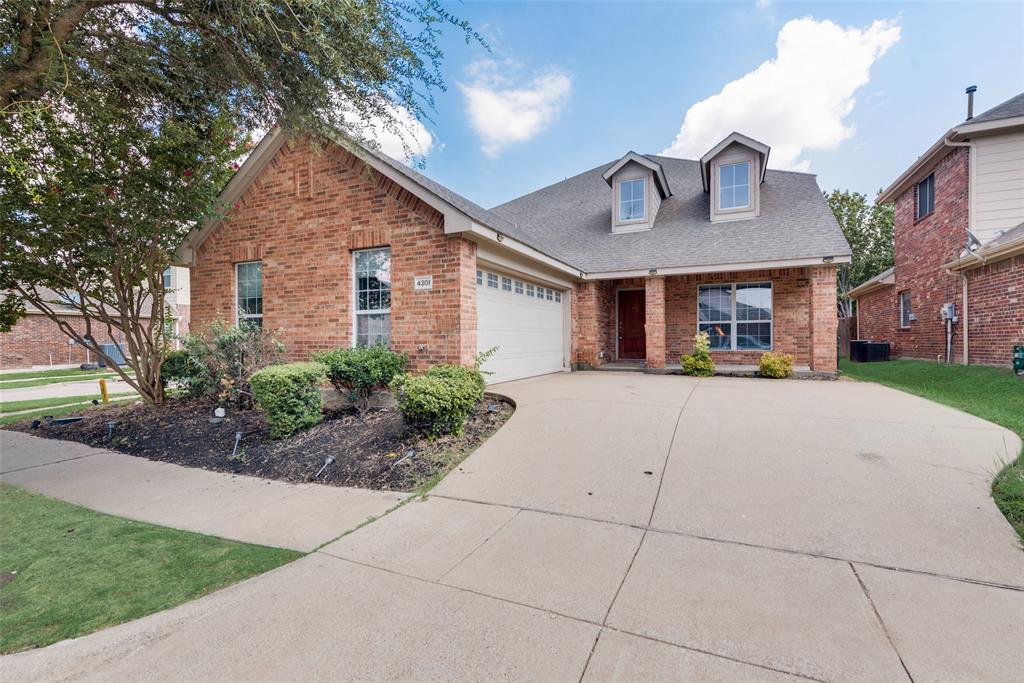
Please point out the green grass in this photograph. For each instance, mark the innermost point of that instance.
(79, 570)
(80, 376)
(39, 374)
(56, 412)
(993, 394)
(28, 404)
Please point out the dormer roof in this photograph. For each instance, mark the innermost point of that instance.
(760, 148)
(660, 181)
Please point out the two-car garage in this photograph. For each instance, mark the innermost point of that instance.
(525, 319)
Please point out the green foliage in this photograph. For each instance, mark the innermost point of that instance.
(79, 571)
(223, 359)
(176, 367)
(776, 365)
(290, 396)
(699, 363)
(869, 230)
(357, 372)
(439, 401)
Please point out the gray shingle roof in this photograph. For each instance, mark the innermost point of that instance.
(1007, 236)
(1009, 109)
(571, 221)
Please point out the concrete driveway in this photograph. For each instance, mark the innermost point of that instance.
(637, 527)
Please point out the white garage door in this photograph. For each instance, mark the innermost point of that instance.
(524, 320)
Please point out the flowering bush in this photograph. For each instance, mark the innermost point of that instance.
(699, 363)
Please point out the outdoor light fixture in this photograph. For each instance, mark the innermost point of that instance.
(652, 271)
(501, 238)
(828, 259)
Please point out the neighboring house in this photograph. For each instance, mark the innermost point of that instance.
(957, 287)
(36, 340)
(339, 245)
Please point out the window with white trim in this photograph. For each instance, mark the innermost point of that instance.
(549, 295)
(371, 274)
(519, 287)
(906, 313)
(249, 292)
(529, 289)
(479, 277)
(737, 317)
(492, 280)
(558, 297)
(506, 284)
(734, 186)
(631, 199)
(166, 276)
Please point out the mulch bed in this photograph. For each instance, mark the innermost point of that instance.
(369, 451)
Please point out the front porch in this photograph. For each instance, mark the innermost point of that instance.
(648, 323)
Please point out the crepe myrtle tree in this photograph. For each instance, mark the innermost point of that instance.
(354, 66)
(95, 196)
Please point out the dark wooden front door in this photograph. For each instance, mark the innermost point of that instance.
(632, 317)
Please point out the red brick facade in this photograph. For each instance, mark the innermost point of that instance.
(302, 217)
(876, 312)
(995, 311)
(995, 319)
(37, 340)
(803, 313)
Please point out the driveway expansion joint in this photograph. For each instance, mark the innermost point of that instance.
(881, 621)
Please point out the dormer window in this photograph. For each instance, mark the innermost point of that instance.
(734, 186)
(631, 200)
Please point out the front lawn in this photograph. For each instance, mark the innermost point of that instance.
(62, 411)
(993, 394)
(71, 373)
(6, 382)
(66, 571)
(32, 403)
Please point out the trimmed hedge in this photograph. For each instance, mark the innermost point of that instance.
(289, 395)
(357, 372)
(439, 401)
(776, 365)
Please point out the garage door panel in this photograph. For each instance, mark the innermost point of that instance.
(528, 331)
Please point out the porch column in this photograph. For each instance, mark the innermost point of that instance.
(654, 326)
(824, 319)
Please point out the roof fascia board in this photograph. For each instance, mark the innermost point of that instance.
(973, 128)
(659, 172)
(491, 235)
(717, 268)
(983, 257)
(869, 287)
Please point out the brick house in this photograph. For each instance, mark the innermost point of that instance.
(956, 291)
(37, 341)
(331, 245)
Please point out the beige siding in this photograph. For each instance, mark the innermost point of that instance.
(997, 192)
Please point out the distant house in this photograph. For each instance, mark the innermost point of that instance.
(334, 245)
(956, 290)
(38, 341)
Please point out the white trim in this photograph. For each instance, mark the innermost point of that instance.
(660, 181)
(510, 243)
(718, 193)
(619, 220)
(899, 296)
(355, 295)
(235, 298)
(733, 322)
(718, 268)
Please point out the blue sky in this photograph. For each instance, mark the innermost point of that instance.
(850, 91)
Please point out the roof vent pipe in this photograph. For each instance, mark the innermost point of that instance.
(971, 89)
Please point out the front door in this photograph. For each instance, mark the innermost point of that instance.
(632, 317)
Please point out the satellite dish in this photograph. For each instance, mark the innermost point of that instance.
(972, 241)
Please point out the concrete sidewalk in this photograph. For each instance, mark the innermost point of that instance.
(296, 516)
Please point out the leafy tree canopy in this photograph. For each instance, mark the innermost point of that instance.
(868, 228)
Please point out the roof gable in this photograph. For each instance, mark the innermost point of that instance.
(760, 148)
(660, 181)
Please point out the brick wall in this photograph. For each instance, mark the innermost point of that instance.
(594, 316)
(302, 217)
(37, 340)
(654, 325)
(995, 311)
(922, 247)
(877, 312)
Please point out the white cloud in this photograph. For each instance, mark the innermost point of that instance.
(503, 111)
(796, 101)
(405, 138)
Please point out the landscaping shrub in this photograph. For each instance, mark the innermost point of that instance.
(699, 363)
(439, 401)
(224, 358)
(175, 367)
(357, 372)
(289, 394)
(776, 365)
